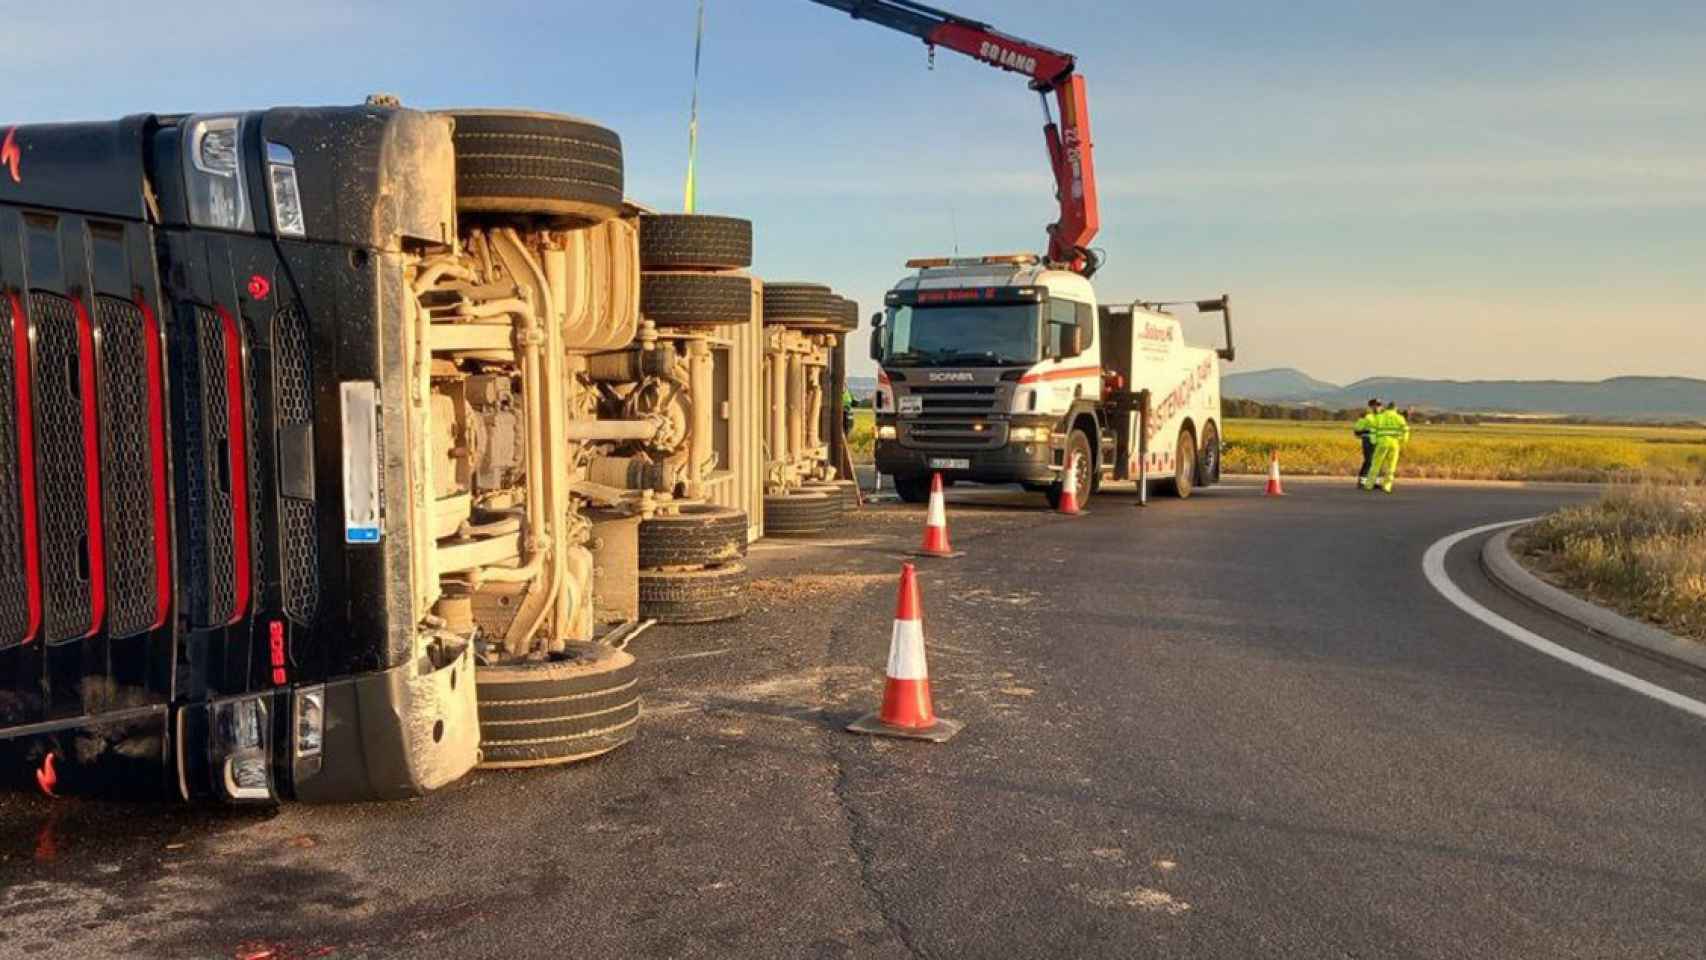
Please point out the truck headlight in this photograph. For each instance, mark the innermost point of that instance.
(1027, 434)
(287, 216)
(886, 432)
(310, 721)
(213, 173)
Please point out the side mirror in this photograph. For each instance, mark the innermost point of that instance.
(877, 337)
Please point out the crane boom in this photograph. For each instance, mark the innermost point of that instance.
(1051, 72)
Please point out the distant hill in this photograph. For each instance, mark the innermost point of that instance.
(1620, 398)
(1281, 384)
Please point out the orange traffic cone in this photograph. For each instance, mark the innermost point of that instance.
(1274, 488)
(907, 711)
(1069, 487)
(936, 525)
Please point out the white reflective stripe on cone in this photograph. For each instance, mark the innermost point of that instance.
(906, 652)
(938, 516)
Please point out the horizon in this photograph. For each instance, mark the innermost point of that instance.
(1507, 193)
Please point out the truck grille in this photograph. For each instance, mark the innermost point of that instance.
(293, 392)
(964, 434)
(214, 474)
(132, 469)
(71, 554)
(959, 400)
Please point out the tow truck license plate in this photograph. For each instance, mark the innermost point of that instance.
(950, 463)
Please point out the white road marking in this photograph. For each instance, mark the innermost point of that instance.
(1433, 566)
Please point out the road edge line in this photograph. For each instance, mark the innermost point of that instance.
(1433, 568)
(1504, 569)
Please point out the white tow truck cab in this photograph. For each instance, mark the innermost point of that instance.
(1002, 369)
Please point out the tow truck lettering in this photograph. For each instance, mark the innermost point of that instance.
(946, 296)
(10, 156)
(995, 53)
(1179, 399)
(951, 376)
(1157, 331)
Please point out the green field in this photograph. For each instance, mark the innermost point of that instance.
(1491, 451)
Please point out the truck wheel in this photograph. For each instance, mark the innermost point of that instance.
(695, 299)
(575, 705)
(804, 514)
(517, 161)
(913, 487)
(1184, 467)
(694, 596)
(800, 303)
(700, 535)
(844, 492)
(675, 241)
(1208, 458)
(1085, 485)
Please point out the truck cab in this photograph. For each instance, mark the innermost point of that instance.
(1005, 369)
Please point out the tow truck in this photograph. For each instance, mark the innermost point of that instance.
(1006, 369)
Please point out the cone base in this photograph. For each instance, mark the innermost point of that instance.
(939, 732)
(938, 555)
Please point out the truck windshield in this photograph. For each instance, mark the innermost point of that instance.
(962, 335)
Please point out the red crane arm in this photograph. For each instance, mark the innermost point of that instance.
(1051, 72)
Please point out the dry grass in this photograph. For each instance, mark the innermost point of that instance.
(1480, 452)
(1641, 550)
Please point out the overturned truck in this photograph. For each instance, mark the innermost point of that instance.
(325, 438)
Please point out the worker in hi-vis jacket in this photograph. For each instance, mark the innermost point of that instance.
(1364, 430)
(1391, 432)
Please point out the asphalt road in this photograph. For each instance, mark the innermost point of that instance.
(1230, 727)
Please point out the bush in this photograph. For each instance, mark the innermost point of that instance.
(1640, 549)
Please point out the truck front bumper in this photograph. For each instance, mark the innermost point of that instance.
(1031, 463)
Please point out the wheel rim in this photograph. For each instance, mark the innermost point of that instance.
(1187, 464)
(1211, 458)
(1081, 470)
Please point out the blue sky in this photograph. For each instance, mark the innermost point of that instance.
(1447, 189)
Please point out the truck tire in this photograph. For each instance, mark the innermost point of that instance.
(1184, 480)
(700, 535)
(1076, 442)
(844, 492)
(1208, 458)
(573, 706)
(544, 164)
(913, 487)
(695, 299)
(797, 304)
(849, 315)
(677, 241)
(694, 596)
(800, 514)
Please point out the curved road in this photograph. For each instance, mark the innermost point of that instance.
(1230, 727)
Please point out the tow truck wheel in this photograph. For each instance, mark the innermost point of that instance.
(801, 514)
(698, 535)
(1185, 467)
(913, 487)
(1085, 482)
(679, 241)
(572, 706)
(1208, 458)
(694, 596)
(543, 164)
